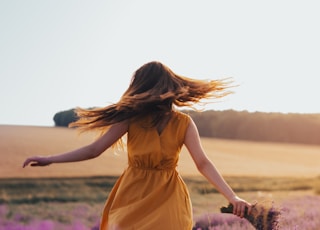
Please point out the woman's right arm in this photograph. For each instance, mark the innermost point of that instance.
(90, 151)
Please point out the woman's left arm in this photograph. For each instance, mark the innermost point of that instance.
(90, 151)
(208, 170)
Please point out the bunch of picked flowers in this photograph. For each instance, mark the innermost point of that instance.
(263, 216)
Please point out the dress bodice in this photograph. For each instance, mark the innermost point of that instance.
(149, 149)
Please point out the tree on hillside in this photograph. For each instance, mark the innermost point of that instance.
(64, 118)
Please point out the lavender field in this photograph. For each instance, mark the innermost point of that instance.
(49, 216)
(53, 204)
(299, 213)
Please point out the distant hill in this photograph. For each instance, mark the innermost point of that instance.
(243, 125)
(259, 126)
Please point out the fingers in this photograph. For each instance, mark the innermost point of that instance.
(33, 161)
(26, 163)
(242, 208)
(250, 208)
(239, 210)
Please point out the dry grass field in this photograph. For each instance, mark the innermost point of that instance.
(233, 158)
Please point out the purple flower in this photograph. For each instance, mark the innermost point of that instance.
(262, 216)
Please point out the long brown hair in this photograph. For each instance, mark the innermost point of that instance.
(154, 88)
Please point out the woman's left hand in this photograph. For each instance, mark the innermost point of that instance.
(240, 206)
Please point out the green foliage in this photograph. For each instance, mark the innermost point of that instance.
(32, 191)
(254, 184)
(64, 118)
(96, 189)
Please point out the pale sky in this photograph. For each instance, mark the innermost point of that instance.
(57, 55)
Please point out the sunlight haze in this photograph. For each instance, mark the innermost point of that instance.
(57, 55)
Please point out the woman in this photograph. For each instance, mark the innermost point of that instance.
(150, 194)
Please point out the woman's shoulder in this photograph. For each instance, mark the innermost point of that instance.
(182, 115)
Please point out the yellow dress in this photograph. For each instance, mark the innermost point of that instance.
(150, 194)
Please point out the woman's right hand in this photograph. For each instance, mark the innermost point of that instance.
(37, 161)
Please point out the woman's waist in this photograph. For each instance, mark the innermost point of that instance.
(153, 163)
(153, 167)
